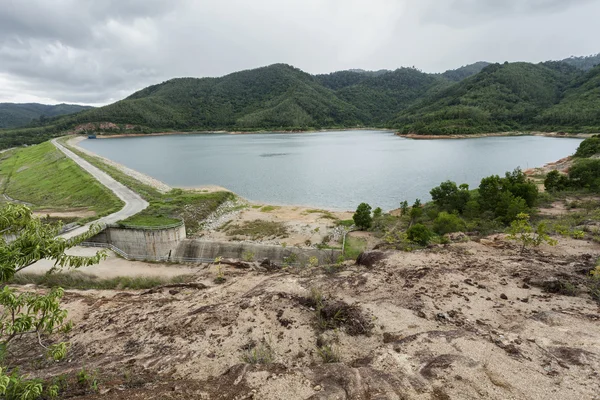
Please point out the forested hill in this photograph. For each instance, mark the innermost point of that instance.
(477, 98)
(551, 96)
(13, 115)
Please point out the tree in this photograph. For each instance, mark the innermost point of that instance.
(26, 312)
(449, 197)
(522, 231)
(415, 211)
(362, 217)
(377, 212)
(403, 208)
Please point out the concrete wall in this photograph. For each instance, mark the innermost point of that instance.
(195, 248)
(143, 243)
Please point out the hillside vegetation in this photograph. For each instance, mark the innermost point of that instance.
(46, 178)
(14, 115)
(476, 98)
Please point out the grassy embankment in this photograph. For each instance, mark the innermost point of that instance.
(43, 176)
(165, 208)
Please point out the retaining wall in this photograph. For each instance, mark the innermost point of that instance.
(151, 244)
(200, 249)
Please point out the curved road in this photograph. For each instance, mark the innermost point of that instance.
(133, 202)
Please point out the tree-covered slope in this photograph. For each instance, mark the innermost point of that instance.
(457, 75)
(379, 97)
(270, 97)
(579, 108)
(584, 63)
(500, 98)
(13, 115)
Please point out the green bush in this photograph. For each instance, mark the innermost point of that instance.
(419, 234)
(447, 223)
(589, 147)
(449, 197)
(585, 174)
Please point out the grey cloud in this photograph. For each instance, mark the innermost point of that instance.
(90, 51)
(476, 12)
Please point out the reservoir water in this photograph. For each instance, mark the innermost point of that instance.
(335, 170)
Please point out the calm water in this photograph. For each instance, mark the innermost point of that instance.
(336, 170)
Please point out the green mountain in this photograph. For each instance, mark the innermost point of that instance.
(476, 98)
(14, 115)
(579, 107)
(277, 96)
(584, 63)
(382, 96)
(457, 75)
(502, 97)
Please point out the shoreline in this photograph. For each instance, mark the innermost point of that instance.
(495, 134)
(120, 135)
(402, 135)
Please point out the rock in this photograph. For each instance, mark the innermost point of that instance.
(317, 388)
(370, 258)
(503, 296)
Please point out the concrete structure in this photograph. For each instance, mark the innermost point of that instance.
(143, 244)
(190, 249)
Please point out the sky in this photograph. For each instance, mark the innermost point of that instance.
(100, 51)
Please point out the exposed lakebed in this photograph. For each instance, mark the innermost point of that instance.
(335, 170)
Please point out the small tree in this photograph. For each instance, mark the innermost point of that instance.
(26, 312)
(521, 231)
(404, 208)
(416, 211)
(377, 212)
(362, 217)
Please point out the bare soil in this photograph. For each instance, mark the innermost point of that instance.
(305, 226)
(461, 321)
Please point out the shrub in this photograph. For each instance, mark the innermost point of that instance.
(555, 181)
(585, 174)
(522, 231)
(589, 147)
(362, 217)
(447, 223)
(377, 212)
(419, 234)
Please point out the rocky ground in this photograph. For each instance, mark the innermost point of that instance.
(471, 320)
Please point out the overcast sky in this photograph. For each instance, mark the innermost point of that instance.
(99, 51)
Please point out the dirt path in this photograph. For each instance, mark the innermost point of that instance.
(115, 266)
(133, 202)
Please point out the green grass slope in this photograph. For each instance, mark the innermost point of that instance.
(14, 115)
(500, 98)
(45, 177)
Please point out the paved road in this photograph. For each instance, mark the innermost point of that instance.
(133, 202)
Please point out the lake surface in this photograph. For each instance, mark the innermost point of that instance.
(335, 170)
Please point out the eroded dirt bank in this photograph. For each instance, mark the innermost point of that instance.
(467, 320)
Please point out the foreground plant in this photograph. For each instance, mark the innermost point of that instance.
(522, 231)
(25, 240)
